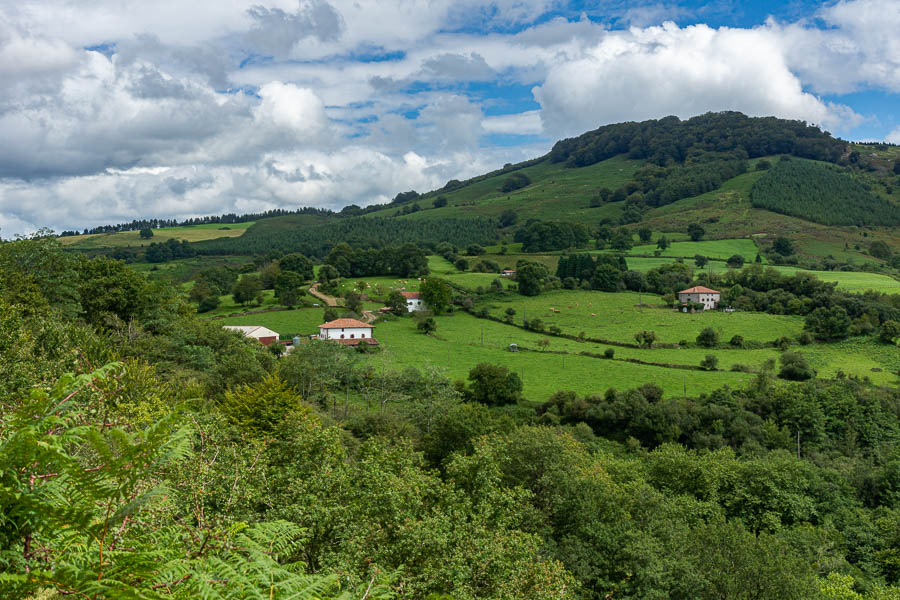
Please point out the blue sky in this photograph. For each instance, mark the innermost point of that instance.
(121, 109)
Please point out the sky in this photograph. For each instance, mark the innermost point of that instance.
(112, 110)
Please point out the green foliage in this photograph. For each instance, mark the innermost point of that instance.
(828, 323)
(436, 294)
(696, 232)
(146, 233)
(795, 367)
(735, 261)
(288, 288)
(783, 246)
(515, 181)
(890, 331)
(530, 277)
(708, 338)
(544, 236)
(427, 325)
(297, 263)
(406, 261)
(508, 218)
(821, 193)
(494, 385)
(461, 264)
(316, 237)
(710, 362)
(247, 288)
(669, 139)
(645, 337)
(396, 302)
(259, 407)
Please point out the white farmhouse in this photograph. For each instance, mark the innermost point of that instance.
(264, 335)
(699, 295)
(413, 301)
(347, 331)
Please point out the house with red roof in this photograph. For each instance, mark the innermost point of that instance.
(349, 332)
(699, 294)
(414, 301)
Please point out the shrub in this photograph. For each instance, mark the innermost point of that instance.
(794, 367)
(609, 353)
(710, 362)
(427, 326)
(708, 338)
(737, 341)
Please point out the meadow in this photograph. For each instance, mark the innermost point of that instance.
(122, 239)
(543, 374)
(720, 249)
(287, 323)
(556, 191)
(616, 317)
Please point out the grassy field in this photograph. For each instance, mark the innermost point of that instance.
(852, 281)
(301, 321)
(856, 356)
(121, 239)
(617, 317)
(557, 192)
(721, 249)
(542, 373)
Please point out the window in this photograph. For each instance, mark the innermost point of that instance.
(362, 335)
(351, 336)
(342, 335)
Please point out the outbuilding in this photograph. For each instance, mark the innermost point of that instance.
(349, 332)
(264, 335)
(414, 301)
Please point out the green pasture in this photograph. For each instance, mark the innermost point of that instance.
(463, 328)
(557, 192)
(863, 357)
(721, 249)
(852, 281)
(121, 239)
(617, 317)
(542, 373)
(301, 321)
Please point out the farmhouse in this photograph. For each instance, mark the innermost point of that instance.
(265, 335)
(413, 301)
(508, 273)
(699, 295)
(347, 331)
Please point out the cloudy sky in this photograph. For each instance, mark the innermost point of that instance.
(119, 109)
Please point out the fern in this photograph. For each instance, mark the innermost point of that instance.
(80, 513)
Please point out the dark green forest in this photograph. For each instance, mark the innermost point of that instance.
(316, 237)
(823, 194)
(671, 140)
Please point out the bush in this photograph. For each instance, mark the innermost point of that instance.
(710, 362)
(609, 353)
(427, 326)
(735, 261)
(708, 338)
(461, 264)
(737, 341)
(514, 182)
(794, 367)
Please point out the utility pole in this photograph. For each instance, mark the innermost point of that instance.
(684, 384)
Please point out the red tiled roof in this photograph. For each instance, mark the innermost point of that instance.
(345, 324)
(356, 341)
(699, 289)
(411, 294)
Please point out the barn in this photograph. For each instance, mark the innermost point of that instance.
(264, 335)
